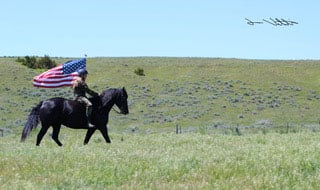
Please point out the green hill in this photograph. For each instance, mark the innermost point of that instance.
(192, 93)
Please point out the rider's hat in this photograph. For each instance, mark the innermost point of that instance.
(82, 71)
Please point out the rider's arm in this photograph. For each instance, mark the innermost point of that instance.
(91, 92)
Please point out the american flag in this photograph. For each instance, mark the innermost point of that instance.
(61, 75)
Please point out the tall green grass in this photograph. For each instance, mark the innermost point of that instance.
(163, 161)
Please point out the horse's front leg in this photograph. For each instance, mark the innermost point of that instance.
(88, 135)
(104, 132)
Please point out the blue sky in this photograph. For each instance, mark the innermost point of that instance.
(199, 28)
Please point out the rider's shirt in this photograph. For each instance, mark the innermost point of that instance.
(80, 88)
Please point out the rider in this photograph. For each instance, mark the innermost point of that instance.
(80, 88)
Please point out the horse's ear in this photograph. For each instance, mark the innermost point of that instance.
(124, 91)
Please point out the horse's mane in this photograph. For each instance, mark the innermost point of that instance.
(104, 97)
(96, 101)
(108, 91)
(107, 95)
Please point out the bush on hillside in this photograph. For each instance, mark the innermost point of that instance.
(28, 61)
(139, 71)
(46, 63)
(43, 63)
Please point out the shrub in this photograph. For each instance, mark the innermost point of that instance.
(32, 62)
(28, 61)
(139, 71)
(45, 63)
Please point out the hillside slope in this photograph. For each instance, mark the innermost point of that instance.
(196, 94)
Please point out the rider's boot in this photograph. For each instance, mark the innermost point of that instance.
(88, 113)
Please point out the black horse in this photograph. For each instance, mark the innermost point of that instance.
(59, 111)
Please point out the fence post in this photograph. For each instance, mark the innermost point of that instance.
(1, 131)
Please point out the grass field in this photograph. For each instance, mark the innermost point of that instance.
(163, 161)
(243, 124)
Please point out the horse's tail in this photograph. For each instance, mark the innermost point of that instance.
(32, 121)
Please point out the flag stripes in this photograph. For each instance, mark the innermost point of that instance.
(62, 75)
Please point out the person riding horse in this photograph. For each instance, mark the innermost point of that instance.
(58, 111)
(80, 88)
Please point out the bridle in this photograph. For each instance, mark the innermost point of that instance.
(118, 112)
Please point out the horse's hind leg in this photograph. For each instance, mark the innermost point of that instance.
(42, 132)
(55, 134)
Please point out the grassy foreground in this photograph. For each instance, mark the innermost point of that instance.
(163, 161)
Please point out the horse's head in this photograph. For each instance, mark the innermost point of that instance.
(116, 96)
(122, 101)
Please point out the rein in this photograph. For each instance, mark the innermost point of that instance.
(116, 110)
